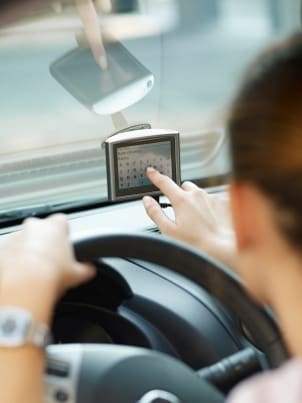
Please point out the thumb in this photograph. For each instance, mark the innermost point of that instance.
(156, 214)
(82, 272)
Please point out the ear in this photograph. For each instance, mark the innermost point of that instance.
(249, 211)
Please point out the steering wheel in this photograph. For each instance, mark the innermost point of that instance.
(94, 373)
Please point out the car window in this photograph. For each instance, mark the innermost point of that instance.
(51, 154)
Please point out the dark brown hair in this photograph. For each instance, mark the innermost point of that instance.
(265, 129)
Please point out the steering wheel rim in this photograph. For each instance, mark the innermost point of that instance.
(195, 266)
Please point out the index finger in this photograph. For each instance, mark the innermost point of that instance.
(92, 30)
(165, 184)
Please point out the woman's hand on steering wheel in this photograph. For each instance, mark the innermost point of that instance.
(38, 265)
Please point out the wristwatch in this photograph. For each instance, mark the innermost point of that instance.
(18, 328)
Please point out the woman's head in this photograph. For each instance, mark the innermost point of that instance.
(265, 129)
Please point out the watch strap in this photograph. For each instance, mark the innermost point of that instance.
(18, 328)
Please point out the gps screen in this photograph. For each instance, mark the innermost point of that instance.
(133, 160)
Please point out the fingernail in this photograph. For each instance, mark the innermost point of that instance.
(147, 200)
(150, 170)
(91, 270)
(88, 269)
(103, 62)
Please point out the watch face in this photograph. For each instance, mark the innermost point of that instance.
(14, 326)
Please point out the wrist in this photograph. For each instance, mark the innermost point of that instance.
(222, 248)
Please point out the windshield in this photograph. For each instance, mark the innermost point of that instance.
(191, 53)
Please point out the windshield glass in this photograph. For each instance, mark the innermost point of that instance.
(191, 55)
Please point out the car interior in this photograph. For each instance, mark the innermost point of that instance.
(160, 322)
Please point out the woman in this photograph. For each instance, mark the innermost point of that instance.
(265, 129)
